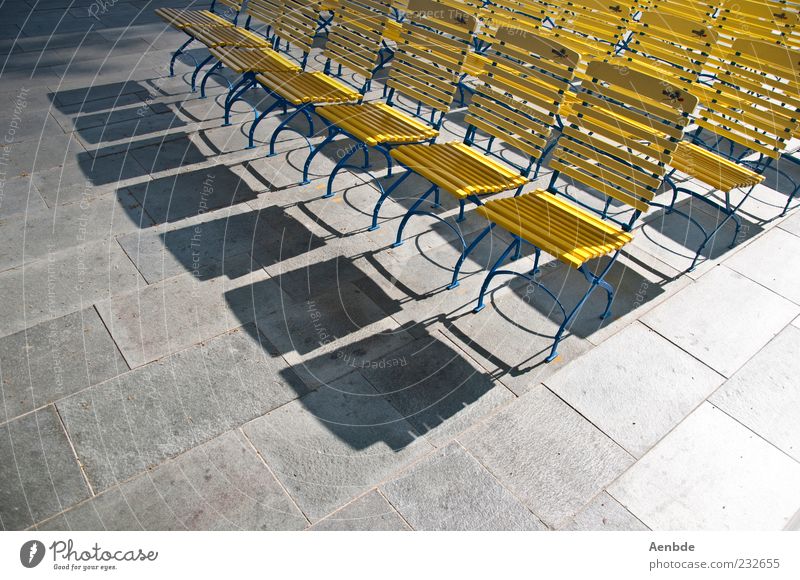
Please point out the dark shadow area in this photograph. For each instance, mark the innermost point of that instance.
(515, 332)
(428, 381)
(107, 169)
(96, 98)
(316, 305)
(686, 237)
(175, 197)
(269, 236)
(127, 123)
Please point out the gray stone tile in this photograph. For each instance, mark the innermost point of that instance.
(450, 490)
(23, 124)
(323, 319)
(764, 394)
(640, 284)
(220, 485)
(156, 320)
(126, 124)
(674, 240)
(711, 473)
(40, 476)
(159, 154)
(52, 150)
(723, 319)
(54, 359)
(764, 261)
(78, 93)
(792, 223)
(270, 236)
(64, 282)
(136, 421)
(436, 387)
(636, 386)
(604, 513)
(175, 197)
(92, 219)
(513, 335)
(19, 196)
(85, 177)
(550, 457)
(334, 444)
(371, 512)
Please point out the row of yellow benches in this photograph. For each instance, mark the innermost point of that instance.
(618, 84)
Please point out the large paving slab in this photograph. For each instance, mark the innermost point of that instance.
(450, 490)
(48, 151)
(175, 197)
(65, 281)
(136, 421)
(370, 512)
(40, 475)
(764, 261)
(513, 335)
(436, 387)
(711, 473)
(334, 444)
(792, 224)
(54, 359)
(270, 235)
(19, 196)
(674, 240)
(636, 386)
(324, 319)
(156, 320)
(31, 237)
(221, 485)
(547, 455)
(723, 319)
(604, 513)
(765, 394)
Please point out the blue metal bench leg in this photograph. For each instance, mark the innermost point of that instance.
(465, 254)
(200, 65)
(493, 272)
(386, 193)
(461, 204)
(260, 117)
(211, 71)
(307, 165)
(339, 165)
(284, 125)
(436, 199)
(176, 54)
(234, 94)
(409, 213)
(789, 201)
(594, 282)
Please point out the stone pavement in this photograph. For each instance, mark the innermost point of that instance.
(191, 340)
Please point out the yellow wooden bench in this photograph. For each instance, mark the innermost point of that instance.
(428, 62)
(515, 107)
(600, 150)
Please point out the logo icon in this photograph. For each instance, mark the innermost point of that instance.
(31, 553)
